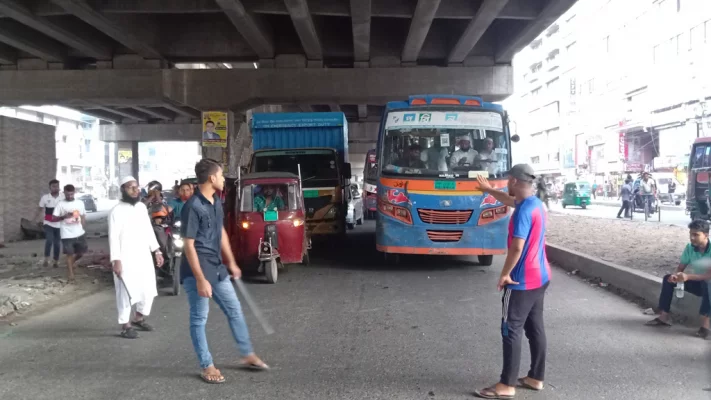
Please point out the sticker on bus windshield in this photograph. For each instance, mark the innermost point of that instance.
(445, 185)
(474, 174)
(444, 139)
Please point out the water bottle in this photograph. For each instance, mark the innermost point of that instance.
(679, 290)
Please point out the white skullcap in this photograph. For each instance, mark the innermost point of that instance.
(127, 180)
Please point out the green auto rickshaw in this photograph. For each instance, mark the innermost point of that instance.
(576, 194)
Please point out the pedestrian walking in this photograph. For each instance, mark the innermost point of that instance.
(132, 241)
(594, 190)
(71, 215)
(626, 196)
(524, 280)
(52, 238)
(207, 266)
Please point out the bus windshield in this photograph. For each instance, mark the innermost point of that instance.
(445, 144)
(318, 167)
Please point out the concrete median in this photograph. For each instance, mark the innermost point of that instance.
(637, 283)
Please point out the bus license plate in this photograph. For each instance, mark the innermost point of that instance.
(310, 194)
(445, 185)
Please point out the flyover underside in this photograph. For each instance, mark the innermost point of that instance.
(239, 90)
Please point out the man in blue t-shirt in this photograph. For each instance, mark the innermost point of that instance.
(524, 280)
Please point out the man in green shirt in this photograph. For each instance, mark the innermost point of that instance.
(697, 257)
(268, 200)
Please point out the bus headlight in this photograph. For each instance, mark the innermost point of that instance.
(399, 213)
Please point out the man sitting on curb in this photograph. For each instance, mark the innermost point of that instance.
(696, 255)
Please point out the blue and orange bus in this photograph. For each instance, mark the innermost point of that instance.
(431, 149)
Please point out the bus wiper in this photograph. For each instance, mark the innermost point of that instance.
(304, 180)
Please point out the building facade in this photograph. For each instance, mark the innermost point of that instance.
(615, 87)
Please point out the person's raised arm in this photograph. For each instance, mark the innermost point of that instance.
(499, 195)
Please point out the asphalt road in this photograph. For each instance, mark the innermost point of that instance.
(672, 217)
(349, 327)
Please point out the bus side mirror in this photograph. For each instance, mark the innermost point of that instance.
(515, 138)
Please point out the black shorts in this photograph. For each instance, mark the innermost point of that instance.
(75, 245)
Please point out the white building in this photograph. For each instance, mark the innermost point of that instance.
(615, 86)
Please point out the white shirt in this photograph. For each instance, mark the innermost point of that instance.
(49, 202)
(70, 228)
(492, 166)
(470, 155)
(132, 240)
(435, 159)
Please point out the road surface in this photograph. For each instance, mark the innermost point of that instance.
(670, 217)
(349, 327)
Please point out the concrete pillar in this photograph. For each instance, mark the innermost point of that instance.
(127, 157)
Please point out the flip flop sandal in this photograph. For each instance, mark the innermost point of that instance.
(142, 325)
(206, 378)
(522, 382)
(703, 333)
(490, 393)
(657, 322)
(254, 367)
(129, 333)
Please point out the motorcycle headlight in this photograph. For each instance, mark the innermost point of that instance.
(176, 236)
(178, 243)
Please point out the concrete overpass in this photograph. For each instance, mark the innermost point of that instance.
(138, 62)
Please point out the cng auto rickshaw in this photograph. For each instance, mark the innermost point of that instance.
(576, 194)
(269, 217)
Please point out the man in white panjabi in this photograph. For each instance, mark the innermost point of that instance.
(132, 241)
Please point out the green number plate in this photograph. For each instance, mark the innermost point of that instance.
(310, 194)
(271, 216)
(445, 185)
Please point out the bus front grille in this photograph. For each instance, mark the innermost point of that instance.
(457, 217)
(444, 236)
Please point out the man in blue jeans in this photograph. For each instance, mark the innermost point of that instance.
(205, 276)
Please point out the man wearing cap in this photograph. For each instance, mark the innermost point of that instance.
(524, 279)
(464, 157)
(132, 241)
(412, 158)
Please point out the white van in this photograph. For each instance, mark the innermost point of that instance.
(663, 179)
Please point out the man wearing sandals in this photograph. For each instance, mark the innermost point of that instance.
(697, 258)
(524, 280)
(204, 275)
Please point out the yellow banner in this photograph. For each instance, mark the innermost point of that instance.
(214, 129)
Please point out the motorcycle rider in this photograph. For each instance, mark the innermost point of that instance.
(159, 212)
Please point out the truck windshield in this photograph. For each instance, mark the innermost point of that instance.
(445, 144)
(318, 168)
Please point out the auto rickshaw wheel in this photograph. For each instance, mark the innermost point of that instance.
(306, 259)
(563, 203)
(486, 260)
(271, 270)
(584, 206)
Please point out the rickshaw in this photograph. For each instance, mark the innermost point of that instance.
(576, 194)
(269, 214)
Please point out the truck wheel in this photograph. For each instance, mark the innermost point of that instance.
(306, 259)
(271, 270)
(176, 276)
(486, 260)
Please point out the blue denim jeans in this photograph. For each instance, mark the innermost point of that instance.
(51, 239)
(699, 288)
(224, 295)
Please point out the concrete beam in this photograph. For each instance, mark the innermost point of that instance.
(304, 24)
(362, 111)
(150, 132)
(303, 107)
(488, 11)
(181, 111)
(30, 41)
(101, 115)
(82, 10)
(242, 89)
(334, 107)
(248, 27)
(122, 112)
(8, 55)
(360, 23)
(450, 9)
(419, 27)
(154, 113)
(553, 10)
(22, 14)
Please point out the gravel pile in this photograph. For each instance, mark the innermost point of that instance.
(650, 247)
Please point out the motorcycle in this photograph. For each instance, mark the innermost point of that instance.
(171, 245)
